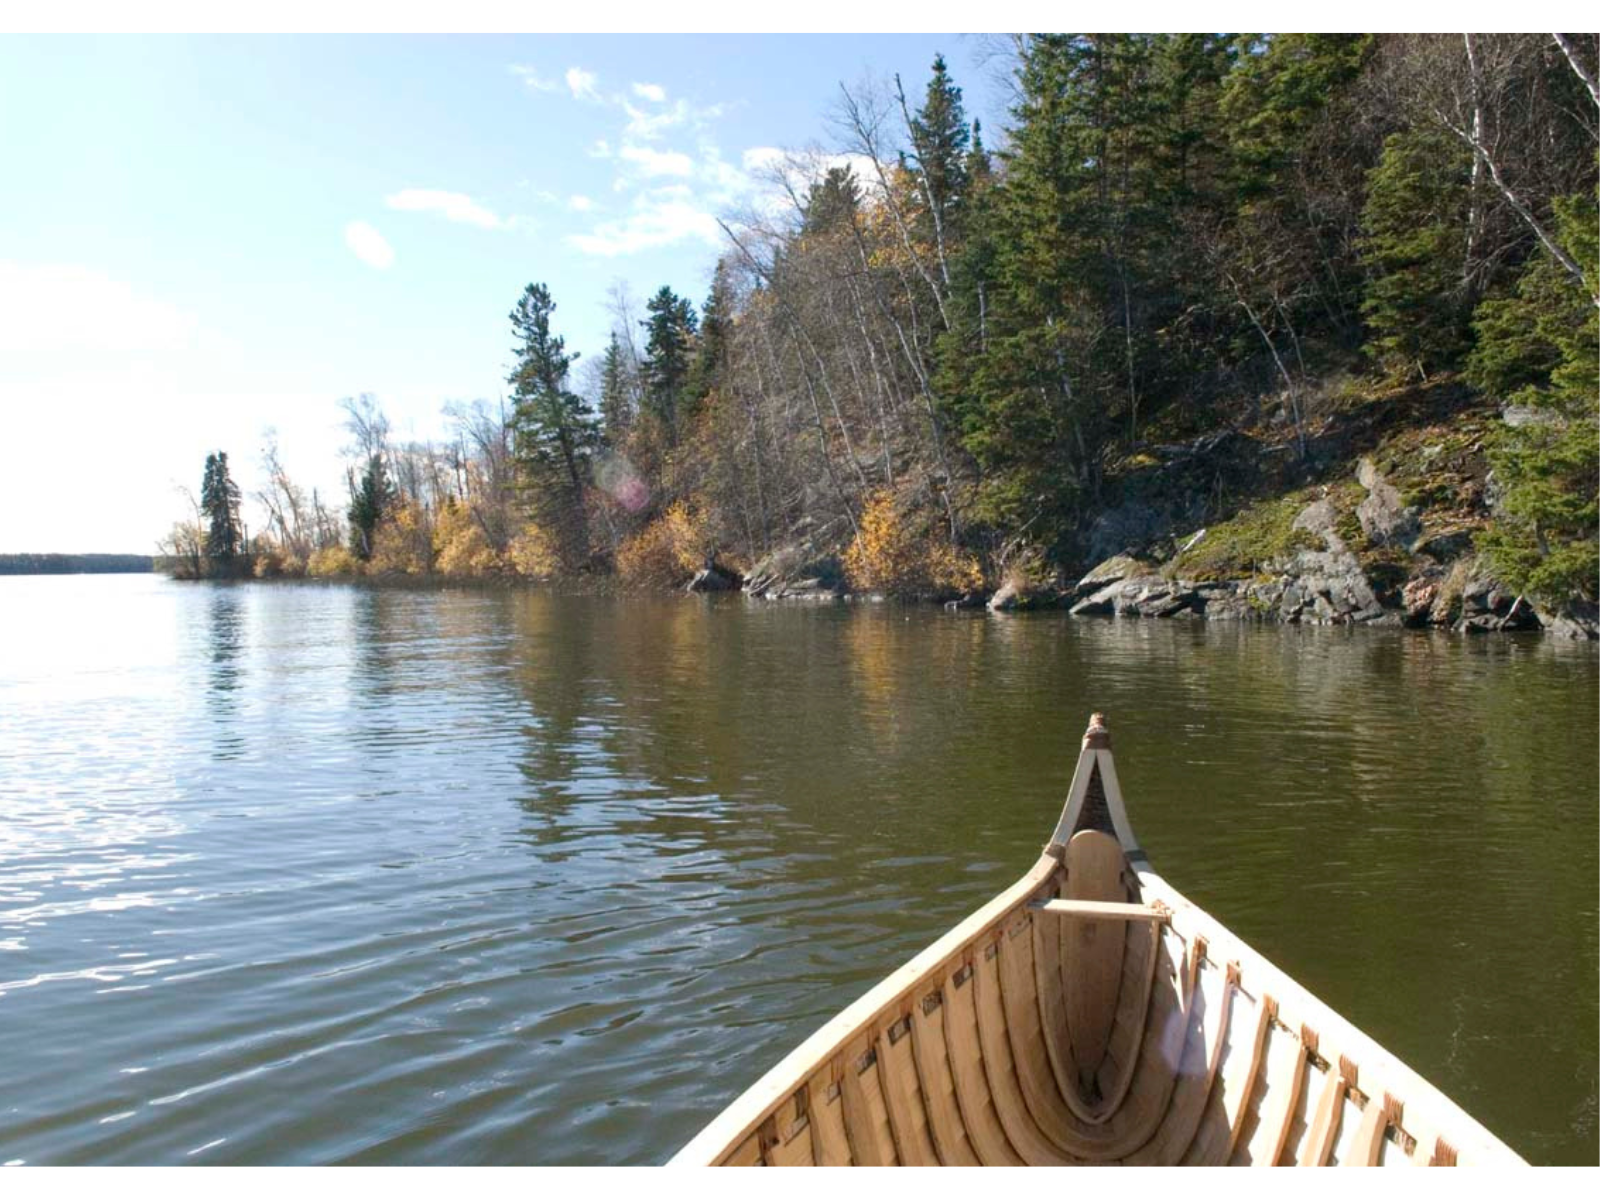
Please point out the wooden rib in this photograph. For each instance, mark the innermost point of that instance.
(1133, 1003)
(938, 1087)
(1101, 910)
(1207, 1019)
(1091, 951)
(1155, 1073)
(1000, 1069)
(1268, 1009)
(1025, 991)
(1019, 994)
(866, 1119)
(786, 1139)
(1053, 1021)
(746, 1154)
(1223, 1119)
(830, 1143)
(1367, 1145)
(1318, 1142)
(1282, 1080)
(1127, 1032)
(977, 1105)
(902, 1095)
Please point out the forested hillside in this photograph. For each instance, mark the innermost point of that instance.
(1195, 286)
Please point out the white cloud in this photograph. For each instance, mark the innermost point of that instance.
(652, 163)
(534, 81)
(600, 149)
(648, 125)
(368, 245)
(452, 206)
(660, 218)
(584, 85)
(580, 203)
(652, 92)
(43, 307)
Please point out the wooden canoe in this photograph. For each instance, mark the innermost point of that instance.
(1089, 1014)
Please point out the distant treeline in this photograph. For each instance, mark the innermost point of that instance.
(75, 564)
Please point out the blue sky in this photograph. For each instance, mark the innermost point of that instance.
(204, 237)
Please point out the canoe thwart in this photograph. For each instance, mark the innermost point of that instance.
(1103, 910)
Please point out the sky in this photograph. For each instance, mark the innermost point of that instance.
(204, 238)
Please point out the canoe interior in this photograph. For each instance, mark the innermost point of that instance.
(1119, 1024)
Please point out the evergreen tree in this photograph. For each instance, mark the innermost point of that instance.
(940, 143)
(370, 502)
(1539, 348)
(711, 351)
(616, 409)
(219, 501)
(1281, 85)
(978, 167)
(669, 348)
(1414, 240)
(831, 202)
(1035, 409)
(553, 431)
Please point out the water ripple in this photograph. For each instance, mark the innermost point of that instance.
(321, 874)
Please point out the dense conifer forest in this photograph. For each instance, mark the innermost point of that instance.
(1196, 284)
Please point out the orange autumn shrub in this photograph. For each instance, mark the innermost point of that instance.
(461, 548)
(331, 562)
(892, 556)
(533, 553)
(665, 553)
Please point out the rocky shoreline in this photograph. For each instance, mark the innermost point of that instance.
(1400, 575)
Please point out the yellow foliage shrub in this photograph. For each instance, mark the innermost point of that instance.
(460, 546)
(533, 553)
(665, 553)
(275, 562)
(890, 557)
(332, 561)
(402, 544)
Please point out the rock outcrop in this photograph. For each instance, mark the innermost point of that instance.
(1385, 520)
(797, 572)
(714, 577)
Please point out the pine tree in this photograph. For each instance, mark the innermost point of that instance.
(831, 202)
(1414, 240)
(219, 501)
(669, 349)
(1280, 87)
(616, 409)
(711, 351)
(370, 501)
(553, 431)
(978, 167)
(940, 144)
(1539, 348)
(1034, 411)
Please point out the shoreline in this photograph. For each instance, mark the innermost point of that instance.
(1135, 597)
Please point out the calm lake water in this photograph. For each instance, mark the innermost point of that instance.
(316, 874)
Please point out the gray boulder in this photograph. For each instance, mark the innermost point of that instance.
(1576, 619)
(1384, 518)
(1115, 569)
(715, 577)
